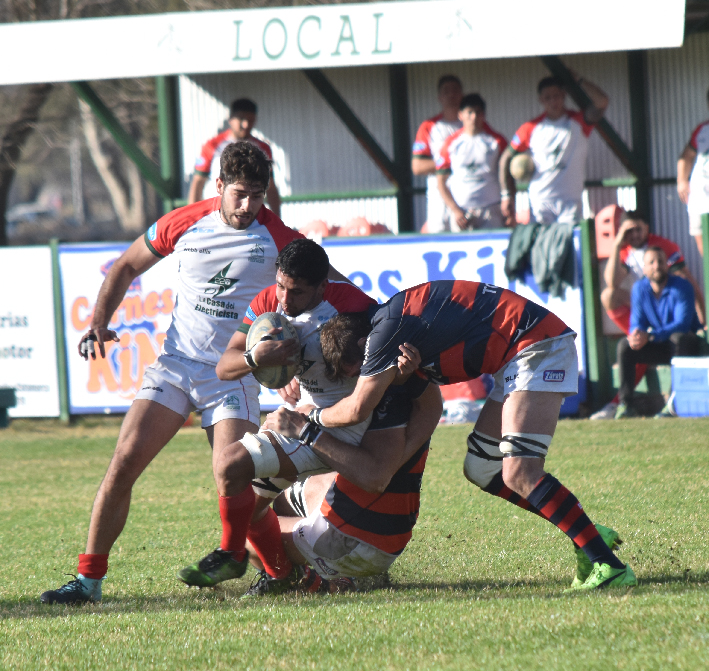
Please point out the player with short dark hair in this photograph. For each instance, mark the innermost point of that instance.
(242, 239)
(467, 169)
(558, 143)
(242, 119)
(308, 300)
(463, 329)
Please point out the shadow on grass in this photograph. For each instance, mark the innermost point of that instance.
(224, 599)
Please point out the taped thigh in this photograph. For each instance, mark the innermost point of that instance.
(263, 454)
(525, 445)
(484, 459)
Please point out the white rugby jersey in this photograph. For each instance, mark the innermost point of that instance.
(699, 181)
(472, 162)
(559, 149)
(428, 143)
(220, 271)
(208, 162)
(315, 388)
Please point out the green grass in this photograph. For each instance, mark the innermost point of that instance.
(479, 587)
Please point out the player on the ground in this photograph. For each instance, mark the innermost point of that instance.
(463, 329)
(467, 169)
(693, 179)
(242, 119)
(304, 295)
(558, 143)
(227, 247)
(363, 515)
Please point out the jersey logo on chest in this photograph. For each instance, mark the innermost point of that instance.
(222, 281)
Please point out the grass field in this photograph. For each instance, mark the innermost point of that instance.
(479, 587)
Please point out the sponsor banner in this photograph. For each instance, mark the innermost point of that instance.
(109, 385)
(379, 266)
(28, 352)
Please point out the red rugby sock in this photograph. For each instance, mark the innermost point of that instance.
(265, 536)
(235, 512)
(93, 566)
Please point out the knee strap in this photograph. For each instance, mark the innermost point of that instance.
(525, 445)
(270, 488)
(484, 459)
(263, 454)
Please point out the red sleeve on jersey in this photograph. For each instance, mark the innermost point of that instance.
(443, 162)
(163, 235)
(693, 139)
(580, 118)
(265, 301)
(520, 141)
(263, 146)
(204, 160)
(280, 233)
(422, 142)
(346, 297)
(501, 141)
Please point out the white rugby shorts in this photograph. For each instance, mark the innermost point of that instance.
(334, 554)
(548, 365)
(695, 224)
(556, 211)
(184, 385)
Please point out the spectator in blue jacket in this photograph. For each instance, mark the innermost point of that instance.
(663, 324)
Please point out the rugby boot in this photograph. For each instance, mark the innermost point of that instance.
(265, 584)
(77, 591)
(604, 575)
(216, 567)
(584, 566)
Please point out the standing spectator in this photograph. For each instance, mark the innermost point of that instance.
(558, 142)
(663, 324)
(468, 167)
(627, 261)
(694, 190)
(242, 119)
(427, 146)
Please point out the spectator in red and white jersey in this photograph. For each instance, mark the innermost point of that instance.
(625, 267)
(693, 179)
(427, 146)
(468, 167)
(242, 119)
(558, 143)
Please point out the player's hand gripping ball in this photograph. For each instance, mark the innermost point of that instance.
(273, 377)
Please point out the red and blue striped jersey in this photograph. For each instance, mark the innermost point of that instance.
(383, 520)
(462, 329)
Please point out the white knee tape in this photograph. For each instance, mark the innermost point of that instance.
(263, 454)
(484, 459)
(525, 444)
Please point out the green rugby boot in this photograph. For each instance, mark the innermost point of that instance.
(583, 563)
(604, 575)
(216, 567)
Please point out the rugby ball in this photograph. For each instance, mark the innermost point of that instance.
(522, 167)
(273, 377)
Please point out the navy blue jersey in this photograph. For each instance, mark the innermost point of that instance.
(462, 329)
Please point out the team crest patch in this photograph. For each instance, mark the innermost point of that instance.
(554, 375)
(232, 403)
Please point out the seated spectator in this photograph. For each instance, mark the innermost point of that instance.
(467, 169)
(693, 179)
(627, 261)
(663, 324)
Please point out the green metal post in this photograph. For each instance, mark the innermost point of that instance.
(130, 147)
(637, 76)
(59, 333)
(168, 124)
(338, 104)
(599, 371)
(399, 97)
(705, 263)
